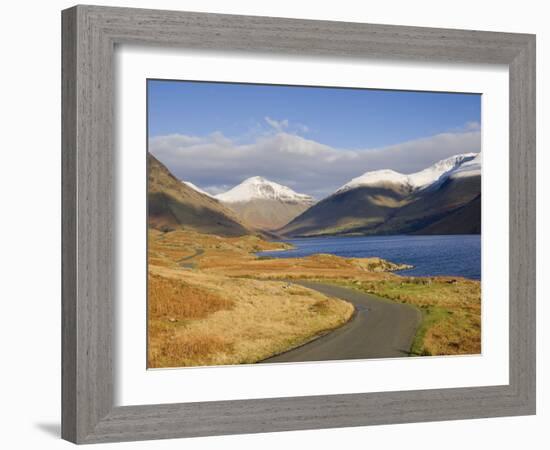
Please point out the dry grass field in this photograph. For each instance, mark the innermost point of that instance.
(197, 318)
(451, 309)
(212, 301)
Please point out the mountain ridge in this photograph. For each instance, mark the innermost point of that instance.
(414, 181)
(263, 204)
(196, 188)
(388, 202)
(258, 187)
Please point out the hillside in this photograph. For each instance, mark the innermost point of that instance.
(173, 205)
(442, 199)
(464, 220)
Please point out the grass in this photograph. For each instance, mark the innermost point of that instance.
(230, 307)
(451, 311)
(171, 297)
(431, 315)
(314, 266)
(172, 304)
(197, 318)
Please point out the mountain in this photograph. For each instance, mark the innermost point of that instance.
(419, 180)
(444, 198)
(172, 204)
(464, 220)
(264, 204)
(196, 188)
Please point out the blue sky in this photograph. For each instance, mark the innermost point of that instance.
(261, 129)
(350, 118)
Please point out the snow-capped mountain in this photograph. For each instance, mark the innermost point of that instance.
(259, 188)
(264, 204)
(374, 178)
(469, 168)
(465, 164)
(444, 198)
(196, 188)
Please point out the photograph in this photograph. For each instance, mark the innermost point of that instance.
(290, 224)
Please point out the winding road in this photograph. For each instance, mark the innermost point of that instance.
(379, 329)
(190, 265)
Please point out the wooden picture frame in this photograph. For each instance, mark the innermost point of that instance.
(90, 34)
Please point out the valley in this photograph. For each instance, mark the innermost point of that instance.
(444, 198)
(212, 300)
(228, 306)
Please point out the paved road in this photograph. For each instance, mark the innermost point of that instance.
(379, 329)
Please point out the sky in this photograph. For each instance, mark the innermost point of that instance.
(312, 139)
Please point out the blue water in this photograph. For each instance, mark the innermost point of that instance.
(455, 255)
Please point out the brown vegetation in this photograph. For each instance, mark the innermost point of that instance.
(170, 298)
(212, 301)
(197, 318)
(451, 308)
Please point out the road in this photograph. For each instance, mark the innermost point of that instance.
(190, 265)
(379, 329)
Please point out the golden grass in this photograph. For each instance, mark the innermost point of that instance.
(237, 311)
(198, 319)
(451, 309)
(171, 303)
(314, 266)
(167, 347)
(171, 298)
(235, 257)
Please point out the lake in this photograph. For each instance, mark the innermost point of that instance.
(455, 255)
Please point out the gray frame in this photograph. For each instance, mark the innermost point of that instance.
(90, 34)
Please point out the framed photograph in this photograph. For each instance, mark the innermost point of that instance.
(278, 224)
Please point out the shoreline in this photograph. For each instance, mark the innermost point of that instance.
(277, 254)
(441, 301)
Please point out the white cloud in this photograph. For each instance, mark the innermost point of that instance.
(286, 126)
(302, 128)
(277, 125)
(472, 126)
(216, 163)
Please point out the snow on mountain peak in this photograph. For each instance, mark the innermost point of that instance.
(196, 188)
(468, 168)
(374, 178)
(441, 168)
(263, 189)
(467, 164)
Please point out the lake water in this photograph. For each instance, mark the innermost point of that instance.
(455, 255)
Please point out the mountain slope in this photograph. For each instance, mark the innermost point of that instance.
(358, 208)
(196, 188)
(173, 204)
(464, 220)
(419, 180)
(432, 201)
(264, 204)
(440, 204)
